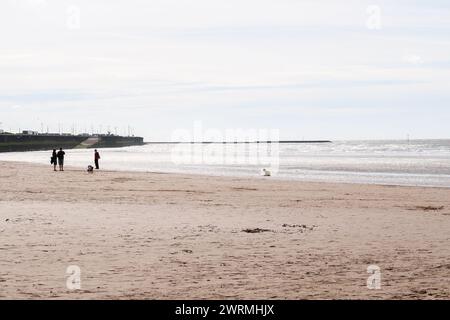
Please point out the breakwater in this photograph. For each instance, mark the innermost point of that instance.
(25, 142)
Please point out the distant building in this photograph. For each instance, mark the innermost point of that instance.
(30, 132)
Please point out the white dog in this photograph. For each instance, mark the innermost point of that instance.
(265, 173)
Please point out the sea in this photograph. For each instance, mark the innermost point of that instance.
(390, 162)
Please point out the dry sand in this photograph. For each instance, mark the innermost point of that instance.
(167, 236)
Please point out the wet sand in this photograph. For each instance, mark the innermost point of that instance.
(171, 236)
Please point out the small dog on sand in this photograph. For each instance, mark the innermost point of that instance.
(90, 169)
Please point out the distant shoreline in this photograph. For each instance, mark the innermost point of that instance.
(78, 168)
(238, 142)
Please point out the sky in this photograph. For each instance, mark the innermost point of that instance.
(319, 69)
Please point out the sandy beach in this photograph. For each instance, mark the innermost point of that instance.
(169, 236)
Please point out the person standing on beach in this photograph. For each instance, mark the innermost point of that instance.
(53, 160)
(96, 158)
(60, 155)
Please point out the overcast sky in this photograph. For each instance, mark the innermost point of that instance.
(312, 69)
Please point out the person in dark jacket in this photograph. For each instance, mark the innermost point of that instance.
(53, 160)
(96, 158)
(60, 155)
